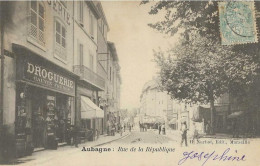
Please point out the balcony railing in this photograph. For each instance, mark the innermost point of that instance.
(89, 76)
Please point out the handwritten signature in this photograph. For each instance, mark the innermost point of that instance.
(204, 157)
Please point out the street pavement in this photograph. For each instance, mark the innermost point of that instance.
(70, 155)
(44, 157)
(147, 137)
(67, 154)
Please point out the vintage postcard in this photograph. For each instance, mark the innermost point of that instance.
(129, 83)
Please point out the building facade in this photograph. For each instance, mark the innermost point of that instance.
(156, 103)
(113, 87)
(51, 74)
(102, 58)
(39, 83)
(158, 107)
(85, 65)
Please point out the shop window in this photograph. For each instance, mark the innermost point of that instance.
(60, 40)
(37, 22)
(62, 116)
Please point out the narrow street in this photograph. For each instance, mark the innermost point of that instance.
(70, 153)
(148, 137)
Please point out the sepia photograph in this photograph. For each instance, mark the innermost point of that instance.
(129, 83)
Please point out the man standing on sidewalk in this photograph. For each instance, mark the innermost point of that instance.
(163, 129)
(130, 128)
(160, 128)
(184, 130)
(121, 130)
(76, 135)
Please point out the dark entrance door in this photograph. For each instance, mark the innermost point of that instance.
(38, 118)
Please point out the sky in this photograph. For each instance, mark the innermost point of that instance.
(134, 41)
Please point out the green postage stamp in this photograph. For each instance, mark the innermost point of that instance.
(237, 22)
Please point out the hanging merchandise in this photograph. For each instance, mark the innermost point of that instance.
(51, 125)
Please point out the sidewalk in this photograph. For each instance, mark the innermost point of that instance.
(217, 136)
(47, 155)
(177, 134)
(104, 139)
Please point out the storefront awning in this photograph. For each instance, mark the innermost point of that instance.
(173, 121)
(235, 114)
(90, 110)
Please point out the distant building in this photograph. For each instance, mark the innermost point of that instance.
(157, 104)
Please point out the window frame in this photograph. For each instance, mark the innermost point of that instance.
(81, 13)
(62, 26)
(91, 24)
(102, 26)
(60, 51)
(91, 61)
(80, 54)
(39, 38)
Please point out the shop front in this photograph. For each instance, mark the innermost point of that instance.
(44, 104)
(91, 118)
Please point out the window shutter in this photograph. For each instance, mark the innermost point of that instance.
(41, 18)
(33, 19)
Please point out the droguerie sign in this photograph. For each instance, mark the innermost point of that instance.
(44, 76)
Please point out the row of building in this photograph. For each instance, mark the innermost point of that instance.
(58, 72)
(158, 107)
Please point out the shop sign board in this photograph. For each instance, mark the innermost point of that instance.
(41, 74)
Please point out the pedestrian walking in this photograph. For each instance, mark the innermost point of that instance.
(184, 130)
(207, 128)
(195, 133)
(163, 129)
(113, 129)
(160, 128)
(76, 135)
(108, 128)
(121, 130)
(130, 128)
(235, 129)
